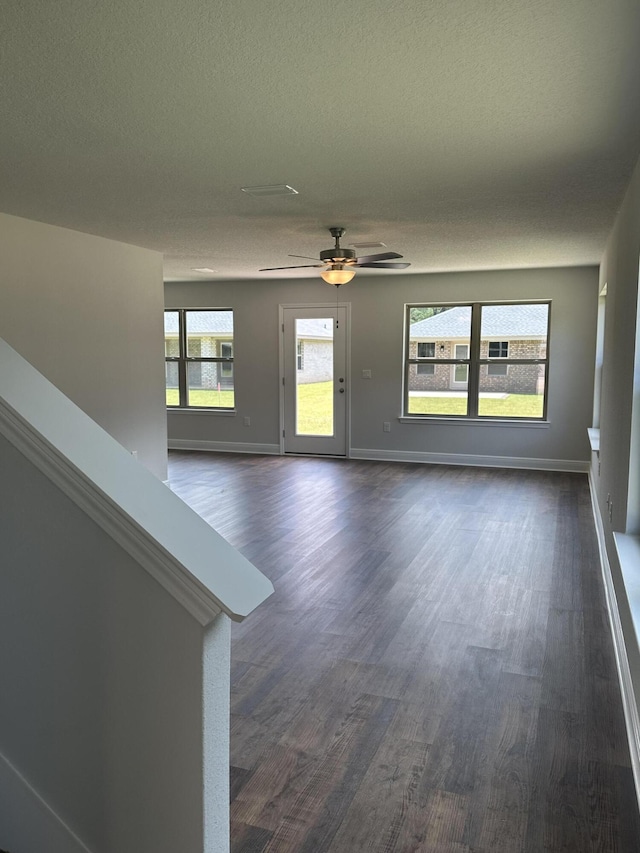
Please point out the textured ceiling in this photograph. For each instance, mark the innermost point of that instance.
(464, 134)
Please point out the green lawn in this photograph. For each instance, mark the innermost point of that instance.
(512, 406)
(315, 405)
(208, 398)
(315, 409)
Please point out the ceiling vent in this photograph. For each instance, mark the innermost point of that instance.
(276, 189)
(369, 245)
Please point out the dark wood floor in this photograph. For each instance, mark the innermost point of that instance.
(435, 670)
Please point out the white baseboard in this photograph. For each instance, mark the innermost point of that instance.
(629, 705)
(27, 822)
(528, 463)
(224, 446)
(571, 465)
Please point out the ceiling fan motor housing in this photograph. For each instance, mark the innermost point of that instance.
(338, 255)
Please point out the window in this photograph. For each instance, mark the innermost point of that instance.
(300, 355)
(199, 358)
(226, 352)
(426, 350)
(457, 373)
(498, 349)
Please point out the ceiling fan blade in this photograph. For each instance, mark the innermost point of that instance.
(303, 256)
(301, 267)
(384, 256)
(384, 266)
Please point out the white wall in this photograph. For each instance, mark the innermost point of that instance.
(618, 473)
(87, 312)
(377, 344)
(618, 443)
(102, 682)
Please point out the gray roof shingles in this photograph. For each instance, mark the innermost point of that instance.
(221, 323)
(201, 322)
(498, 321)
(508, 321)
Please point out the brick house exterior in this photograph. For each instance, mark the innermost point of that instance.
(315, 351)
(520, 333)
(210, 336)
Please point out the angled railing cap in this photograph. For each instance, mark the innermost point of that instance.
(177, 547)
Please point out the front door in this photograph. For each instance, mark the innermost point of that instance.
(460, 372)
(314, 358)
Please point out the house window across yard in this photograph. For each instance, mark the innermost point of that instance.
(498, 349)
(426, 350)
(199, 358)
(479, 360)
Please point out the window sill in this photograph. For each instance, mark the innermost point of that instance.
(224, 413)
(594, 439)
(484, 422)
(628, 551)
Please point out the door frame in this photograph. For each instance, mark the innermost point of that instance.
(321, 306)
(454, 384)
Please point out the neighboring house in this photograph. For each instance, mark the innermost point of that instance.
(314, 342)
(210, 335)
(509, 332)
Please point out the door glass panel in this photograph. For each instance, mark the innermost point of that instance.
(314, 376)
(461, 371)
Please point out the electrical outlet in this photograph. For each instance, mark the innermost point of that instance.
(134, 453)
(366, 374)
(386, 426)
(246, 420)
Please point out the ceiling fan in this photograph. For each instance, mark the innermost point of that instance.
(340, 263)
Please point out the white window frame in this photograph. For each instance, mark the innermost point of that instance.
(183, 360)
(474, 363)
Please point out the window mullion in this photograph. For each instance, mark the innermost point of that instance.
(473, 384)
(407, 360)
(182, 365)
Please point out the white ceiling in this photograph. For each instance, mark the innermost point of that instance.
(464, 134)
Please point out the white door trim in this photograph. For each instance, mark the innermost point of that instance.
(455, 384)
(320, 305)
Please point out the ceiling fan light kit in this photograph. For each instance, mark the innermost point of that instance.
(338, 274)
(340, 263)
